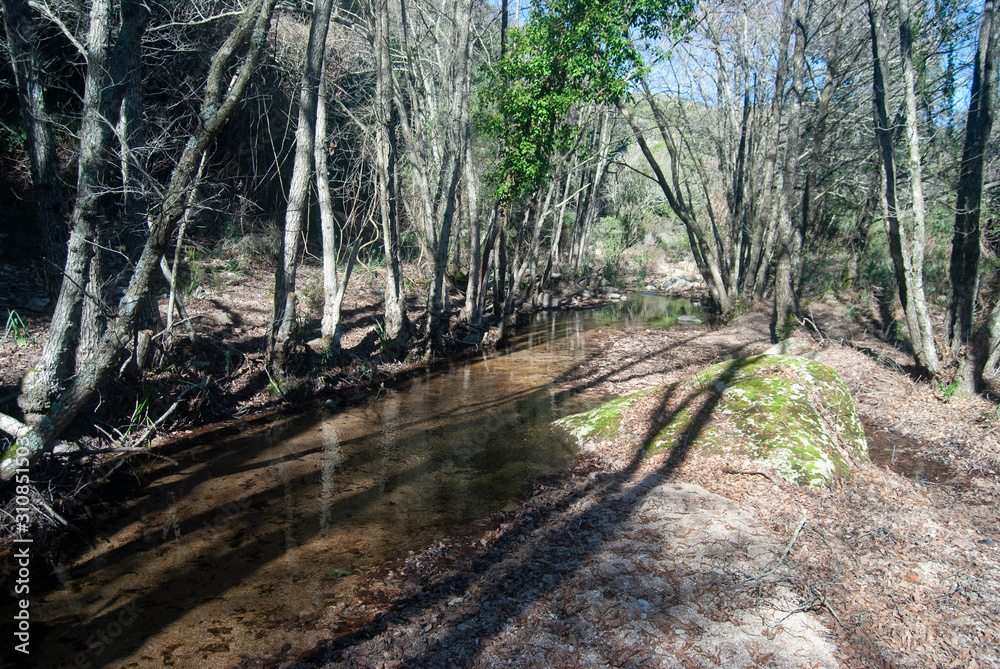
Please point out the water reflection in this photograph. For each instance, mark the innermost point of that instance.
(332, 456)
(248, 542)
(902, 455)
(655, 310)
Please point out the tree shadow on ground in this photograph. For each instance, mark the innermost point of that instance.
(537, 553)
(227, 560)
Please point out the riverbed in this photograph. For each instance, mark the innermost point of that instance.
(244, 543)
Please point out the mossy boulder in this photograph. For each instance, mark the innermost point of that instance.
(786, 413)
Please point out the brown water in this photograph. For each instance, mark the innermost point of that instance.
(903, 455)
(248, 544)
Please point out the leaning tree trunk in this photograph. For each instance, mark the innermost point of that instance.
(224, 90)
(703, 248)
(280, 333)
(965, 246)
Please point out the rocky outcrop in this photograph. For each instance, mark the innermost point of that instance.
(786, 413)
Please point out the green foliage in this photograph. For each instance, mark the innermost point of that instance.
(949, 389)
(140, 415)
(568, 53)
(16, 329)
(13, 138)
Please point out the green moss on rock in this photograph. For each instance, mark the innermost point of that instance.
(787, 413)
(600, 424)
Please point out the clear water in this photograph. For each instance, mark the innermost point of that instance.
(249, 543)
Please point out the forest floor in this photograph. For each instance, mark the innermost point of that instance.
(625, 561)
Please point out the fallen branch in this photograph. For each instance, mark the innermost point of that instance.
(13, 426)
(173, 407)
(788, 549)
(131, 449)
(753, 472)
(825, 602)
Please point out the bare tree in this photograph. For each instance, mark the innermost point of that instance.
(789, 234)
(334, 286)
(228, 77)
(397, 328)
(30, 78)
(282, 324)
(905, 229)
(965, 247)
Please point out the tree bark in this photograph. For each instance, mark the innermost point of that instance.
(788, 260)
(29, 75)
(282, 327)
(397, 326)
(965, 246)
(916, 235)
(903, 247)
(766, 226)
(991, 369)
(65, 344)
(334, 289)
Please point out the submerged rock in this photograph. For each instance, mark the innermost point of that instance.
(786, 413)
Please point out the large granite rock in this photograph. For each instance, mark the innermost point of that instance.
(786, 413)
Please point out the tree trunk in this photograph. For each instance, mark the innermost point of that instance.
(991, 370)
(220, 100)
(29, 75)
(397, 325)
(102, 96)
(916, 235)
(472, 312)
(701, 246)
(282, 326)
(327, 222)
(904, 246)
(965, 246)
(132, 141)
(859, 233)
(788, 262)
(765, 226)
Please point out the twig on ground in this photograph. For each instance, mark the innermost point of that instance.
(788, 549)
(173, 407)
(826, 603)
(752, 472)
(50, 512)
(132, 449)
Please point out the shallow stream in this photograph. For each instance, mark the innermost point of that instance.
(238, 550)
(242, 548)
